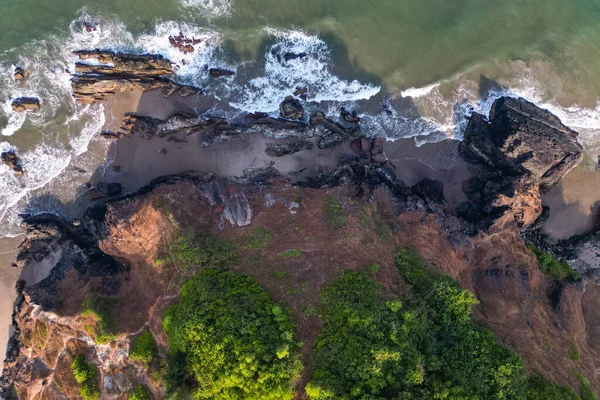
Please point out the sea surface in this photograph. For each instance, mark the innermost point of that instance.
(410, 68)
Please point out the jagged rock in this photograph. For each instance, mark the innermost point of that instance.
(284, 149)
(291, 108)
(348, 116)
(122, 72)
(379, 158)
(301, 92)
(218, 130)
(219, 72)
(183, 43)
(13, 161)
(522, 151)
(89, 27)
(19, 74)
(332, 133)
(111, 135)
(23, 104)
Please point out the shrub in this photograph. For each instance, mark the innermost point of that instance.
(187, 251)
(140, 393)
(231, 340)
(291, 253)
(143, 348)
(333, 213)
(85, 374)
(553, 268)
(102, 308)
(371, 349)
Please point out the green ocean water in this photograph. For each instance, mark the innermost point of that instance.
(401, 43)
(411, 68)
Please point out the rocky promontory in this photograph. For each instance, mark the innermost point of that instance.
(516, 154)
(122, 72)
(90, 288)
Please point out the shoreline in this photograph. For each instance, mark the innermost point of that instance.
(135, 162)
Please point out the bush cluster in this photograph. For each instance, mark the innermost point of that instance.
(371, 349)
(553, 268)
(143, 348)
(229, 340)
(187, 251)
(102, 309)
(85, 373)
(140, 393)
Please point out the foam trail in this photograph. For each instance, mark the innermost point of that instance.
(211, 8)
(297, 59)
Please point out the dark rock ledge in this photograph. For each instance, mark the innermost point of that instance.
(122, 72)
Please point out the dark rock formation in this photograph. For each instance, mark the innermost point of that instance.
(219, 72)
(291, 108)
(13, 161)
(348, 116)
(19, 74)
(121, 72)
(183, 43)
(218, 130)
(520, 152)
(284, 149)
(23, 104)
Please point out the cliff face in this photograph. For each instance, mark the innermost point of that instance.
(116, 251)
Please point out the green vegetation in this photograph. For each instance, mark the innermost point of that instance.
(187, 251)
(229, 340)
(291, 253)
(333, 213)
(432, 349)
(85, 374)
(102, 308)
(553, 268)
(140, 393)
(258, 239)
(143, 348)
(374, 268)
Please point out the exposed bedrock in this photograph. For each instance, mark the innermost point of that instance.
(515, 155)
(106, 73)
(218, 130)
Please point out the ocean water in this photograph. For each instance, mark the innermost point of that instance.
(411, 68)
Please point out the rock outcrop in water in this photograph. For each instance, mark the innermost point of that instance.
(10, 159)
(122, 72)
(23, 104)
(519, 152)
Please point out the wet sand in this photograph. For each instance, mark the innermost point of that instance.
(574, 204)
(8, 278)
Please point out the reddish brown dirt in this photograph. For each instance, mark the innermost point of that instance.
(498, 268)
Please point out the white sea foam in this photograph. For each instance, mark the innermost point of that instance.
(191, 66)
(297, 59)
(419, 92)
(211, 8)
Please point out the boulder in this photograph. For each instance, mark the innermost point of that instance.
(291, 108)
(220, 72)
(183, 43)
(19, 74)
(350, 117)
(301, 92)
(284, 149)
(519, 153)
(13, 161)
(23, 104)
(366, 145)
